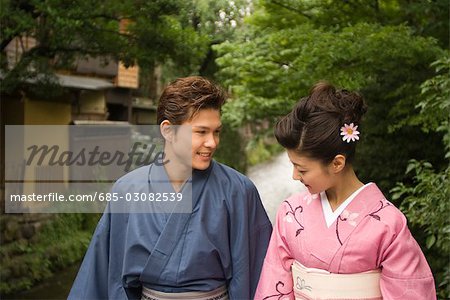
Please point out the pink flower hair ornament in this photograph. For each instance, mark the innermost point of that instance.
(349, 132)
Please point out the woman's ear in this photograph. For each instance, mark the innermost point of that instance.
(166, 130)
(338, 163)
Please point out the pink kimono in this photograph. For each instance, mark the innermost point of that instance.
(366, 233)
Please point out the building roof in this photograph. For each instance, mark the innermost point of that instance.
(83, 82)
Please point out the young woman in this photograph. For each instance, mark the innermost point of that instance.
(340, 239)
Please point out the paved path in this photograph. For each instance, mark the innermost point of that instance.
(273, 179)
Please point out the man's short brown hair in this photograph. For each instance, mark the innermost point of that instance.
(184, 97)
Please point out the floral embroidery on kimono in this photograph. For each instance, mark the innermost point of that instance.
(368, 234)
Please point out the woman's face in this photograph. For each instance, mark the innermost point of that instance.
(315, 175)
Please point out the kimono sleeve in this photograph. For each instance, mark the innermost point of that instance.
(249, 235)
(405, 272)
(276, 277)
(92, 279)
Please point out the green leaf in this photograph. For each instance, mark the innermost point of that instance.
(411, 166)
(430, 241)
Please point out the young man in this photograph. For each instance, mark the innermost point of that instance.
(215, 251)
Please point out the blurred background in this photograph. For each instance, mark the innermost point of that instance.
(106, 62)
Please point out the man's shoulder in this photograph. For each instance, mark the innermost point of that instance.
(136, 176)
(227, 174)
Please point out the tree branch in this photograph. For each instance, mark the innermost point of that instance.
(291, 8)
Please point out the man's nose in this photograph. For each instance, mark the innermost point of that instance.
(211, 141)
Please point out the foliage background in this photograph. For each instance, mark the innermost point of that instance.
(267, 54)
(395, 53)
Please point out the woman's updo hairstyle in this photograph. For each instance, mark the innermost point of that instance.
(313, 126)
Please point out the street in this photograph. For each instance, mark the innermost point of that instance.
(273, 179)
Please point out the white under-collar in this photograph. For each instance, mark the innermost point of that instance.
(330, 215)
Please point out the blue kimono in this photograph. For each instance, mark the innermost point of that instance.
(222, 242)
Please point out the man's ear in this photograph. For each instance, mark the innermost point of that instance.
(338, 163)
(166, 129)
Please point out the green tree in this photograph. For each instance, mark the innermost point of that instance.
(426, 192)
(290, 45)
(68, 30)
(216, 21)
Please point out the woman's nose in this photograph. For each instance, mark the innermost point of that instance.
(296, 175)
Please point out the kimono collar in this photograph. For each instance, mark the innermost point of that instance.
(329, 214)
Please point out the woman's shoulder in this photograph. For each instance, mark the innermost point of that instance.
(302, 199)
(386, 212)
(391, 216)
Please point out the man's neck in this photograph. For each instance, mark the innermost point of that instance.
(177, 171)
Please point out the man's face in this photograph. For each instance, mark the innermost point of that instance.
(206, 127)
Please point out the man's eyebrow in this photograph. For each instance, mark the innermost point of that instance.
(205, 127)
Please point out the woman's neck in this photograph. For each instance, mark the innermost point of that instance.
(346, 184)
